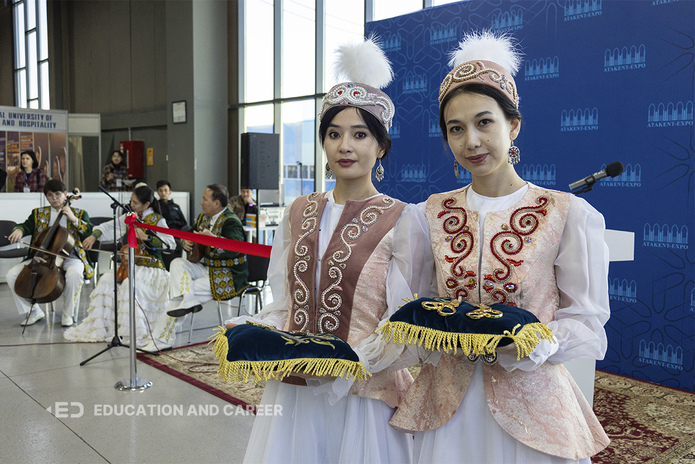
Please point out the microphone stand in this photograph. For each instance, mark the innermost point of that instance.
(116, 340)
(589, 185)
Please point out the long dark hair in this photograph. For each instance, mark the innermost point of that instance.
(373, 125)
(146, 195)
(508, 108)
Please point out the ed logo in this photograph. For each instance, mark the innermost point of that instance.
(65, 410)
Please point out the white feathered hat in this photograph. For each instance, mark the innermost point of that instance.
(484, 58)
(365, 71)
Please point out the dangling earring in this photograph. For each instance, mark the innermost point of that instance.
(456, 169)
(379, 172)
(514, 156)
(329, 173)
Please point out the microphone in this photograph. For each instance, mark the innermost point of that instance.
(613, 169)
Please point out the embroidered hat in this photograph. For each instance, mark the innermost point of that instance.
(484, 58)
(365, 71)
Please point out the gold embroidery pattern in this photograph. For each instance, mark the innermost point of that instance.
(301, 262)
(484, 311)
(151, 219)
(185, 280)
(460, 240)
(443, 306)
(331, 300)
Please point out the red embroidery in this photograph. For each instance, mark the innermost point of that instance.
(460, 241)
(510, 241)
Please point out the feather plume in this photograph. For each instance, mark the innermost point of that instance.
(363, 62)
(499, 48)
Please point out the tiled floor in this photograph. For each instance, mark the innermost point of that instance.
(54, 410)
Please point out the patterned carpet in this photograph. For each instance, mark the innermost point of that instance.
(647, 423)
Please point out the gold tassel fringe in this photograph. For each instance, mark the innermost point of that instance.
(526, 339)
(240, 371)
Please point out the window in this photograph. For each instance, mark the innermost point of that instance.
(31, 54)
(281, 42)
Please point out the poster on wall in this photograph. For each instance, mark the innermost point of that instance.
(42, 131)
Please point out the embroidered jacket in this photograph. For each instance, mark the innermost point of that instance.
(228, 269)
(152, 245)
(38, 221)
(350, 298)
(544, 408)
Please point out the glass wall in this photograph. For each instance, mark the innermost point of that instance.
(282, 43)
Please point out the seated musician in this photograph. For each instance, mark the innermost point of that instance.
(220, 274)
(151, 278)
(76, 267)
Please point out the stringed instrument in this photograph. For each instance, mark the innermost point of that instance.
(43, 279)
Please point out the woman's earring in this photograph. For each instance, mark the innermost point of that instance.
(329, 173)
(379, 172)
(456, 169)
(514, 156)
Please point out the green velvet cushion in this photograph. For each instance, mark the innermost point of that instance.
(269, 353)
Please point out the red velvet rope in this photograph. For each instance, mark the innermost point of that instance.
(216, 242)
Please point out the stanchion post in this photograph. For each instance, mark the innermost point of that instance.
(134, 383)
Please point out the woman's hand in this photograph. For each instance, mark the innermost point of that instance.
(230, 325)
(142, 235)
(88, 243)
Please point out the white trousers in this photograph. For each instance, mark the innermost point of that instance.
(190, 281)
(74, 279)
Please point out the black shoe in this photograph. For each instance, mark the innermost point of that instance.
(180, 312)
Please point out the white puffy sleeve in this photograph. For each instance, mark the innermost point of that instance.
(411, 271)
(275, 313)
(165, 238)
(581, 267)
(106, 229)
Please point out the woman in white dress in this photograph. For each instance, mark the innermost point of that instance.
(504, 240)
(151, 284)
(341, 263)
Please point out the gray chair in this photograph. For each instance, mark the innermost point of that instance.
(94, 255)
(9, 250)
(258, 275)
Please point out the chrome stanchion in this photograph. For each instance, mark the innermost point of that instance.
(133, 383)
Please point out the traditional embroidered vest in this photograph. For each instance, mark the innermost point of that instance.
(151, 219)
(226, 274)
(42, 217)
(351, 296)
(517, 267)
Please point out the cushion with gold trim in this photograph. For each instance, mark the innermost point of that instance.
(444, 324)
(270, 353)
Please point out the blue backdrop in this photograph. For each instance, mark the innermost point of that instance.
(602, 81)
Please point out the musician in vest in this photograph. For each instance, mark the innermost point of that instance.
(76, 268)
(220, 275)
(502, 239)
(151, 278)
(341, 263)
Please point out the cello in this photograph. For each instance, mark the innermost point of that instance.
(43, 279)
